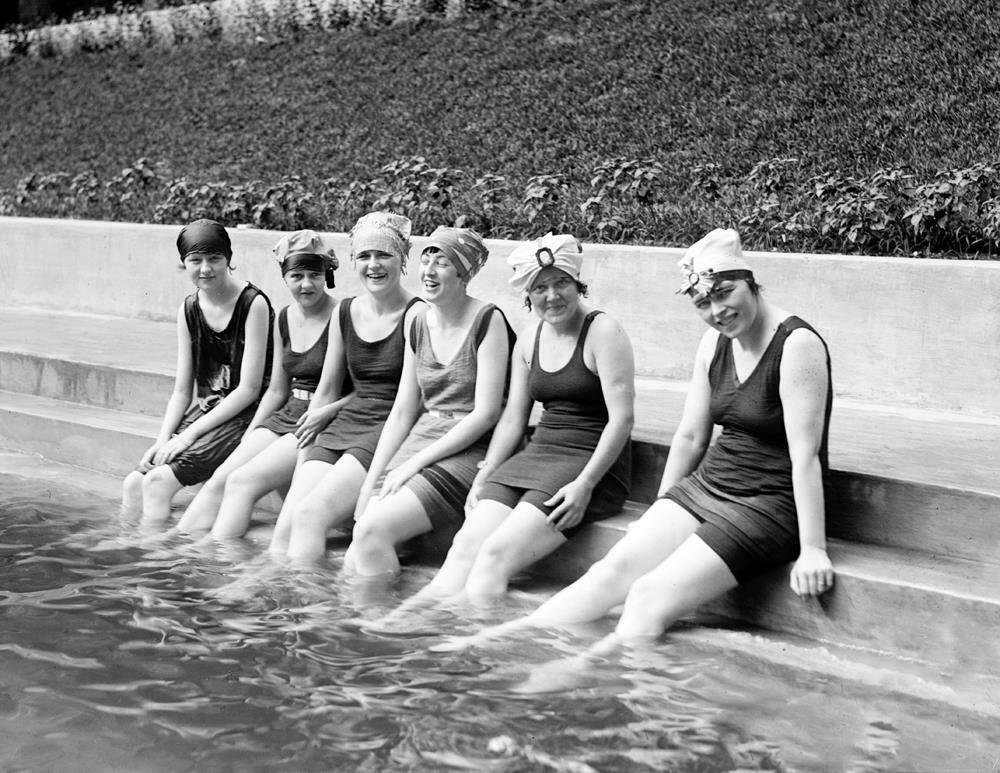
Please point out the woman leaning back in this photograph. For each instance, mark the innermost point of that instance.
(367, 339)
(224, 353)
(733, 509)
(266, 456)
(450, 396)
(576, 468)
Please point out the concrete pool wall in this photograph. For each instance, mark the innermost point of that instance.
(910, 332)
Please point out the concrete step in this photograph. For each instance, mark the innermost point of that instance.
(84, 435)
(107, 362)
(911, 479)
(943, 612)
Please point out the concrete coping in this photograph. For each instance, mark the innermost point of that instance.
(910, 332)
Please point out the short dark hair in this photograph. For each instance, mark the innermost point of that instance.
(581, 288)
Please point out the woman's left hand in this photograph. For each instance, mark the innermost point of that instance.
(570, 504)
(173, 447)
(395, 479)
(812, 573)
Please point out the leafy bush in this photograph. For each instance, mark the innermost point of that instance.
(548, 109)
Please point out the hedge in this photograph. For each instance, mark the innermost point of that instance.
(863, 126)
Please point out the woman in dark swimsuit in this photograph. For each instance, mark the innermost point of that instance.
(576, 468)
(733, 509)
(224, 353)
(366, 342)
(265, 458)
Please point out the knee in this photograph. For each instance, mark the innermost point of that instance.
(464, 547)
(157, 481)
(368, 531)
(306, 513)
(646, 592)
(238, 481)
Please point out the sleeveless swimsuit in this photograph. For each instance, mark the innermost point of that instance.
(217, 357)
(374, 368)
(304, 369)
(742, 490)
(570, 427)
(449, 393)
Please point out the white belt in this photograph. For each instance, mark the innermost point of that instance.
(437, 413)
(302, 394)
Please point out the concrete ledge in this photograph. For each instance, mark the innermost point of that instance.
(901, 331)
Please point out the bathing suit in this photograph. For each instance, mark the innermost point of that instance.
(304, 369)
(375, 368)
(217, 358)
(742, 491)
(570, 427)
(448, 392)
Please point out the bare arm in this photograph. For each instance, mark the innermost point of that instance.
(509, 432)
(491, 370)
(279, 388)
(180, 398)
(405, 410)
(694, 432)
(326, 400)
(248, 390)
(804, 383)
(615, 365)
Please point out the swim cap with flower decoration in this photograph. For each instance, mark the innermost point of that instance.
(717, 253)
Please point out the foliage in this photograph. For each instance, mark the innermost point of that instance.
(846, 127)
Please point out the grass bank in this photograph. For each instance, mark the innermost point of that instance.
(812, 126)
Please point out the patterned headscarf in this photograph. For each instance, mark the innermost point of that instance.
(462, 246)
(528, 259)
(383, 231)
(204, 236)
(306, 250)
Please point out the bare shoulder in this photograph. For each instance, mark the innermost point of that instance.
(804, 348)
(706, 347)
(606, 328)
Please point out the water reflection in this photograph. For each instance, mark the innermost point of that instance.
(137, 651)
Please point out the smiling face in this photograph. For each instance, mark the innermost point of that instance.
(554, 295)
(730, 307)
(378, 271)
(206, 269)
(306, 287)
(438, 276)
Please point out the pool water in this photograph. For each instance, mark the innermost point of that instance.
(120, 650)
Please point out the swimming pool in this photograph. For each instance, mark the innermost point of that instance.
(120, 651)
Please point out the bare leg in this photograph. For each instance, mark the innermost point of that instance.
(132, 491)
(386, 524)
(522, 539)
(202, 512)
(331, 501)
(270, 469)
(305, 478)
(657, 534)
(690, 576)
(660, 530)
(479, 524)
(158, 487)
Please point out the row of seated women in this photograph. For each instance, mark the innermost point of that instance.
(410, 414)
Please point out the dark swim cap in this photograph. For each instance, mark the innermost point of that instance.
(204, 236)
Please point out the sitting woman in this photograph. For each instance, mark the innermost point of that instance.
(265, 458)
(750, 501)
(223, 358)
(366, 340)
(450, 396)
(576, 469)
